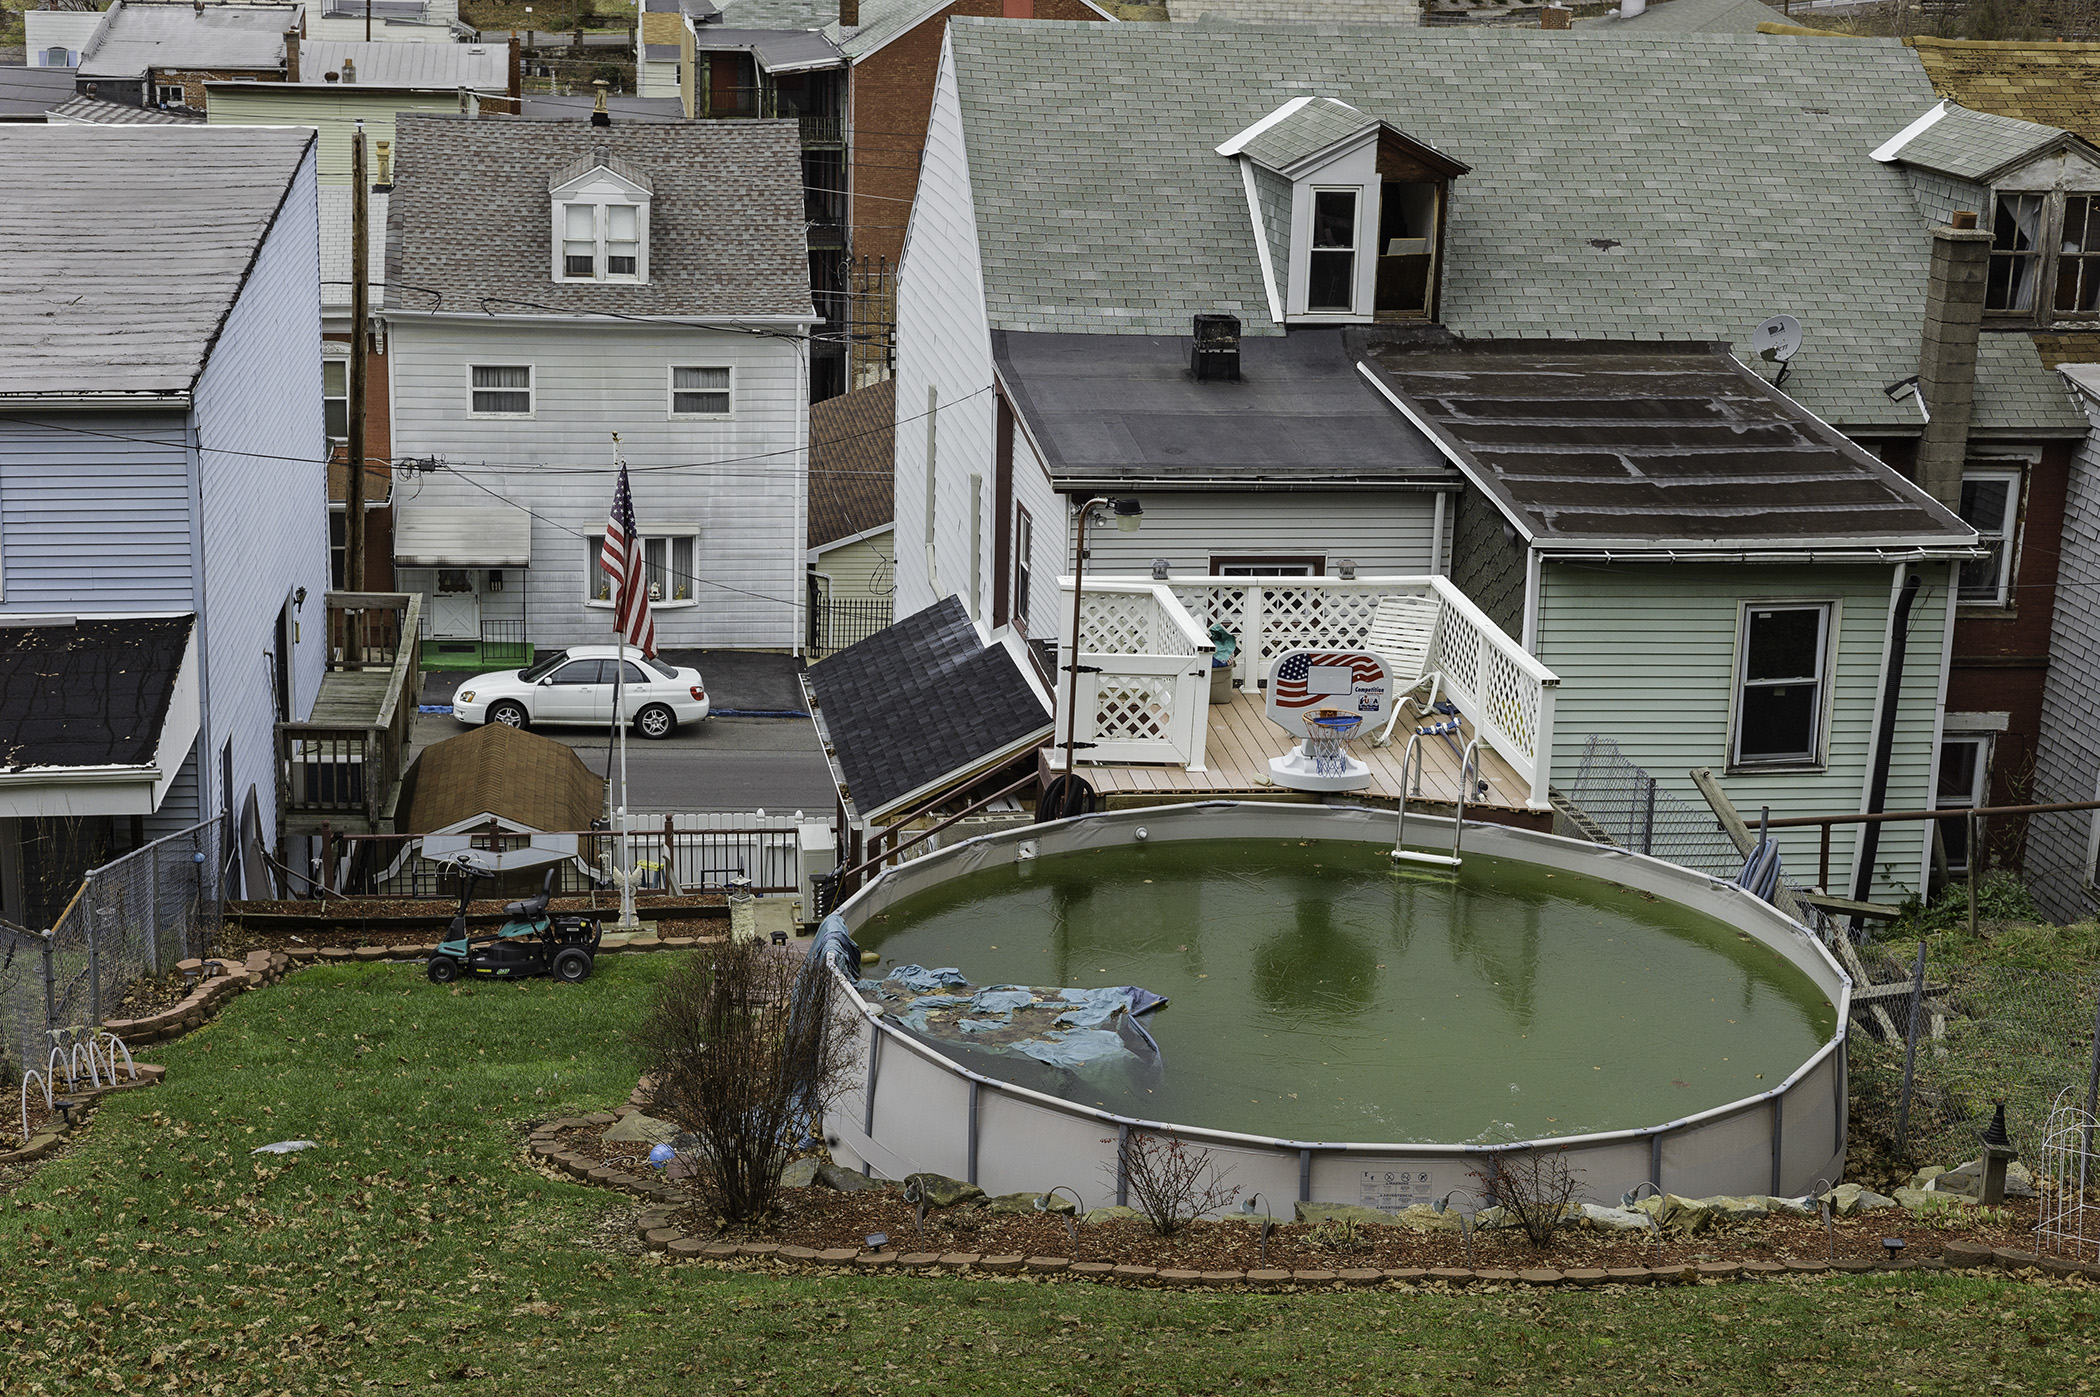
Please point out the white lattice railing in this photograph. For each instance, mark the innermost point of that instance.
(1504, 693)
(1144, 676)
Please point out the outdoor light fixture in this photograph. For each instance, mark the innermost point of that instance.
(780, 938)
(1129, 514)
(1345, 568)
(1159, 569)
(299, 599)
(1892, 1245)
(878, 1240)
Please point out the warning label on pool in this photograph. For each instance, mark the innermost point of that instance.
(1394, 1189)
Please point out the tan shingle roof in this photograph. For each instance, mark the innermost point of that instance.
(2055, 84)
(494, 770)
(851, 463)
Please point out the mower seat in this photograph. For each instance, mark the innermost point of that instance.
(533, 906)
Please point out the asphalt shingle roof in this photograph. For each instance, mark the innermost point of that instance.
(86, 290)
(497, 770)
(94, 693)
(1973, 146)
(852, 463)
(1684, 17)
(1630, 188)
(922, 700)
(469, 217)
(2057, 84)
(1308, 130)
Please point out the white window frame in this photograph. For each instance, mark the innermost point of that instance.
(598, 203)
(596, 540)
(532, 393)
(1819, 753)
(2012, 471)
(342, 397)
(161, 91)
(672, 390)
(1979, 786)
(1355, 250)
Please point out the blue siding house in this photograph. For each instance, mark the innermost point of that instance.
(163, 502)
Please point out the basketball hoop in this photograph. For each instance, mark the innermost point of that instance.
(1326, 734)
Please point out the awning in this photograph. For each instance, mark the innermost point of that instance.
(471, 536)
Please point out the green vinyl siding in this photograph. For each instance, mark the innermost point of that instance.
(862, 569)
(333, 111)
(1646, 653)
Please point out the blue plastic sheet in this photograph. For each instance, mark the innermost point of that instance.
(1065, 1028)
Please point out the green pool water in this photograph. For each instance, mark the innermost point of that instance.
(1316, 994)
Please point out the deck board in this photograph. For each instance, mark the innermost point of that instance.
(1241, 739)
(350, 698)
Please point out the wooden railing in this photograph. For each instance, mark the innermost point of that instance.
(343, 765)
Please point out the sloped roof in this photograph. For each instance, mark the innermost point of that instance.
(89, 111)
(1407, 12)
(1301, 127)
(530, 780)
(920, 702)
(31, 92)
(94, 693)
(1684, 17)
(335, 246)
(852, 463)
(445, 67)
(469, 219)
(1620, 188)
(778, 50)
(1657, 446)
(137, 37)
(2055, 84)
(1972, 146)
(88, 296)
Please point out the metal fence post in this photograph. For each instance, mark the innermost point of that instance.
(50, 985)
(1910, 1048)
(1648, 821)
(153, 911)
(1975, 870)
(2092, 1074)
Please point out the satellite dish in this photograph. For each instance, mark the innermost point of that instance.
(1778, 338)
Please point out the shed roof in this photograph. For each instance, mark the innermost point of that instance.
(2055, 84)
(136, 37)
(1951, 140)
(621, 109)
(520, 776)
(88, 299)
(92, 693)
(1673, 446)
(1122, 410)
(469, 218)
(496, 534)
(778, 50)
(483, 67)
(921, 702)
(1708, 205)
(852, 463)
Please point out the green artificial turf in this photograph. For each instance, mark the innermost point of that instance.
(415, 1250)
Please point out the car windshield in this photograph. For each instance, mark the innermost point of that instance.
(660, 667)
(543, 668)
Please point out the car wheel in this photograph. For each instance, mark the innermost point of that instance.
(511, 715)
(655, 721)
(443, 970)
(572, 966)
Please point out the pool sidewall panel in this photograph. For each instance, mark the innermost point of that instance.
(1028, 1141)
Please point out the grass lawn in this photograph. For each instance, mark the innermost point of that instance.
(416, 1250)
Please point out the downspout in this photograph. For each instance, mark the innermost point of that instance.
(1884, 742)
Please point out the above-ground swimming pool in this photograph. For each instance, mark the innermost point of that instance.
(1346, 1031)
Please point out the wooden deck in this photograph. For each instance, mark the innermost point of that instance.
(350, 698)
(1241, 739)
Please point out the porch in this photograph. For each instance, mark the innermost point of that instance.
(341, 768)
(1147, 727)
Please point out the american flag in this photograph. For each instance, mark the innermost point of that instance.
(621, 557)
(1288, 686)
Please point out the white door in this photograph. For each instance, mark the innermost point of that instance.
(455, 608)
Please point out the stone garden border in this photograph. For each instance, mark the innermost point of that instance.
(657, 1234)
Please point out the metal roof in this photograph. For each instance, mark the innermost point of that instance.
(778, 50)
(483, 67)
(468, 223)
(1671, 17)
(1621, 188)
(89, 111)
(1124, 410)
(89, 296)
(136, 37)
(1655, 446)
(579, 108)
(922, 702)
(335, 246)
(490, 535)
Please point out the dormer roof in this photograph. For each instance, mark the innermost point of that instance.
(581, 172)
(1306, 132)
(1975, 146)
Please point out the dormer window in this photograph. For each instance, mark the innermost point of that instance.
(1348, 213)
(601, 222)
(2045, 255)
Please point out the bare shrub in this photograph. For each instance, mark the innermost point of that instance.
(1535, 1187)
(1170, 1181)
(742, 1061)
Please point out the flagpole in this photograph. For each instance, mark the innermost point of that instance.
(627, 879)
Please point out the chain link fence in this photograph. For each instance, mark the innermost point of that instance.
(133, 918)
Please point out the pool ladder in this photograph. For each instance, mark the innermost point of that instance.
(1411, 762)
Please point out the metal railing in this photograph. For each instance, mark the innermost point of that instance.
(837, 622)
(822, 130)
(689, 853)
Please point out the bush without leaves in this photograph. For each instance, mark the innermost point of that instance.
(1170, 1181)
(737, 1061)
(1535, 1188)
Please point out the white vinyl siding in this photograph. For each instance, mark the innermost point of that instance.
(1384, 531)
(71, 489)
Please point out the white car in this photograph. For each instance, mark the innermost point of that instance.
(576, 686)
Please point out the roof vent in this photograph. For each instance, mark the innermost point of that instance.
(1216, 355)
(349, 70)
(599, 115)
(331, 77)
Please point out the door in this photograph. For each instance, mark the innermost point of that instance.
(634, 691)
(573, 694)
(455, 608)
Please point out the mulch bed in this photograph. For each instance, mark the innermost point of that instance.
(820, 1218)
(145, 997)
(375, 921)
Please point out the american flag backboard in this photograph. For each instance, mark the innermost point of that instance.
(1304, 682)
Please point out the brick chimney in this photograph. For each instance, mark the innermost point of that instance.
(1961, 256)
(1555, 17)
(291, 55)
(517, 68)
(849, 14)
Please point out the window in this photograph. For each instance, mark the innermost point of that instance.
(699, 392)
(2016, 232)
(577, 672)
(1990, 502)
(1331, 265)
(338, 545)
(335, 398)
(600, 242)
(1965, 764)
(2047, 241)
(455, 581)
(59, 57)
(2078, 256)
(168, 94)
(503, 390)
(667, 563)
(1779, 696)
(1268, 567)
(1024, 550)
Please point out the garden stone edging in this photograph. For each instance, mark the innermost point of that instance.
(145, 1074)
(653, 1227)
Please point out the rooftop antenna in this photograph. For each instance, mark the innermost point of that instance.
(1777, 340)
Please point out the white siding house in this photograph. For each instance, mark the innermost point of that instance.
(647, 283)
(161, 456)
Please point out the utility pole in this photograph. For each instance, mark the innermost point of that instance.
(360, 341)
(368, 21)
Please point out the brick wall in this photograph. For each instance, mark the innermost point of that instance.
(892, 102)
(379, 442)
(193, 80)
